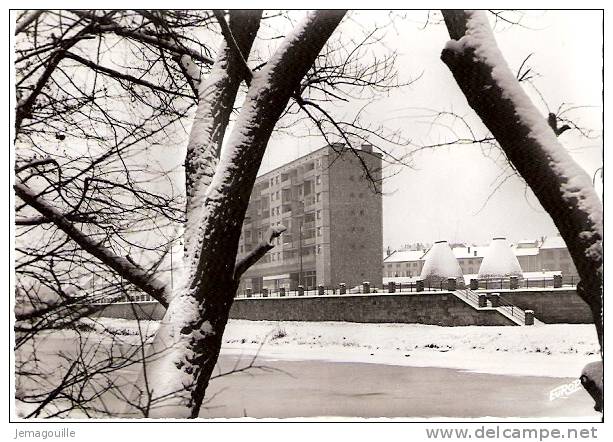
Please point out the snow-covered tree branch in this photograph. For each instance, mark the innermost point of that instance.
(139, 277)
(562, 187)
(189, 339)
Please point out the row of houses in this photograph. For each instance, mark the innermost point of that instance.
(548, 254)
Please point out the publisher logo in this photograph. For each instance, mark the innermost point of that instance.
(565, 390)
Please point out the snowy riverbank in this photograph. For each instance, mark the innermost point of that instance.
(558, 350)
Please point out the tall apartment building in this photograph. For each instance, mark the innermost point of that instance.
(333, 219)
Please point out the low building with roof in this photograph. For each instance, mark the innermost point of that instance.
(469, 258)
(403, 264)
(527, 252)
(554, 255)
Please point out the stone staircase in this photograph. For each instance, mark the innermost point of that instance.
(510, 311)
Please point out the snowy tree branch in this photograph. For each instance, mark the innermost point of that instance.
(106, 24)
(260, 250)
(562, 187)
(132, 273)
(121, 76)
(231, 41)
(196, 317)
(28, 18)
(217, 94)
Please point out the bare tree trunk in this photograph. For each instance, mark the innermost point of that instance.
(216, 99)
(188, 342)
(562, 187)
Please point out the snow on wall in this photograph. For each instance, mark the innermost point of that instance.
(441, 263)
(500, 261)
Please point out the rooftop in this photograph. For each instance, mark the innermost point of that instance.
(553, 242)
(336, 147)
(470, 252)
(405, 255)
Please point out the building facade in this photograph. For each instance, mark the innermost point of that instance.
(333, 217)
(554, 255)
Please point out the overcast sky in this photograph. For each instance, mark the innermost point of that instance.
(445, 194)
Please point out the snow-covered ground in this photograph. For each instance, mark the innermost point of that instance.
(557, 350)
(554, 351)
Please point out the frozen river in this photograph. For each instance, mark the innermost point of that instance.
(311, 388)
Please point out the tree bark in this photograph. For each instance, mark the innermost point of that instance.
(562, 187)
(217, 94)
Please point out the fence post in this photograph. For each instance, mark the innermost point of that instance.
(451, 284)
(495, 299)
(482, 301)
(342, 288)
(419, 285)
(529, 317)
(513, 282)
(474, 284)
(366, 287)
(391, 287)
(300, 290)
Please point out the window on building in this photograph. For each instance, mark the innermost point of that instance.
(318, 179)
(319, 231)
(318, 196)
(319, 214)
